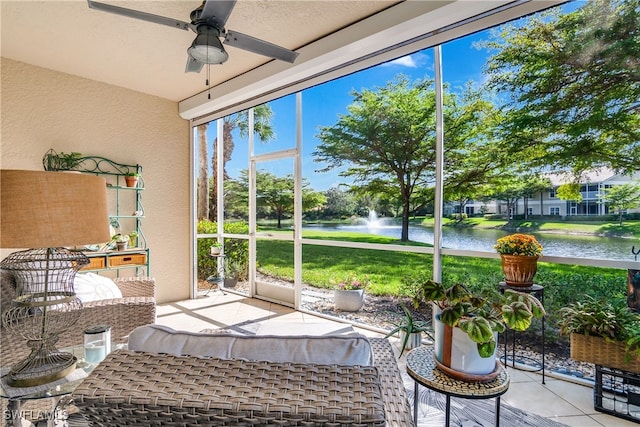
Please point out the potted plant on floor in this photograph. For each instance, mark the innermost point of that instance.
(603, 333)
(466, 326)
(348, 294)
(234, 270)
(410, 330)
(519, 254)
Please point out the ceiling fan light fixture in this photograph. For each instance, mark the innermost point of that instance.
(207, 47)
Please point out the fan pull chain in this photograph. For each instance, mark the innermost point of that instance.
(208, 80)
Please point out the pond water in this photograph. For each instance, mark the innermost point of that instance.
(564, 245)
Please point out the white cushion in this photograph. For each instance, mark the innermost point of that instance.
(93, 287)
(327, 350)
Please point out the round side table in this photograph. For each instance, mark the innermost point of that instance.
(421, 366)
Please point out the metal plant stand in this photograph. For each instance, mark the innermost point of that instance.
(538, 292)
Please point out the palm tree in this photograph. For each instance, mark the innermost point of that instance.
(262, 128)
(203, 179)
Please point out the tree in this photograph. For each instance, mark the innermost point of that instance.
(339, 203)
(274, 194)
(574, 86)
(203, 173)
(569, 191)
(621, 198)
(387, 140)
(535, 184)
(262, 129)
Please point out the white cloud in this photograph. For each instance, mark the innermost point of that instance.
(405, 61)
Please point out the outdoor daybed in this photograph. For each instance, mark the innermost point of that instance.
(235, 385)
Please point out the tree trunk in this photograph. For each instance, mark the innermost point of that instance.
(541, 205)
(404, 235)
(203, 173)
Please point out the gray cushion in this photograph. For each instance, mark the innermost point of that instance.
(339, 350)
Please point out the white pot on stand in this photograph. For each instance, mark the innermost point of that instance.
(456, 351)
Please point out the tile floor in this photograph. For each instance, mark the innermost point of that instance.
(560, 400)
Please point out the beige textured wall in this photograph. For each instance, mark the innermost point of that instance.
(43, 109)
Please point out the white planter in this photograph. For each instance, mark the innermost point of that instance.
(348, 300)
(464, 352)
(415, 339)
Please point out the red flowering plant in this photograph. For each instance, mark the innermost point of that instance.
(518, 244)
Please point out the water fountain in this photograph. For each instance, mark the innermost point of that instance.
(373, 221)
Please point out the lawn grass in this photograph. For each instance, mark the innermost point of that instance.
(390, 272)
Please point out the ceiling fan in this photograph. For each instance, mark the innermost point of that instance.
(207, 21)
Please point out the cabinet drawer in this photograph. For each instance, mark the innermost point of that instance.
(129, 259)
(95, 263)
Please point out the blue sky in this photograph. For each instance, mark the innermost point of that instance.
(322, 105)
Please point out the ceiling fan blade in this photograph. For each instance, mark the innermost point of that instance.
(193, 66)
(217, 11)
(252, 44)
(144, 16)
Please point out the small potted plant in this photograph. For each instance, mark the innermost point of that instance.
(122, 241)
(53, 161)
(603, 333)
(467, 324)
(131, 178)
(133, 238)
(410, 330)
(216, 249)
(348, 294)
(234, 270)
(519, 254)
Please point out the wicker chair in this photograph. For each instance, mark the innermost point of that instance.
(137, 307)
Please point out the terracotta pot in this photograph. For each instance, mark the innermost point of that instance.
(348, 300)
(132, 181)
(519, 270)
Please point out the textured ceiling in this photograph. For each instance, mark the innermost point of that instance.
(69, 37)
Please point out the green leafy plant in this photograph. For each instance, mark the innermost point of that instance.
(479, 315)
(53, 161)
(236, 269)
(410, 326)
(135, 174)
(518, 244)
(235, 249)
(601, 318)
(133, 238)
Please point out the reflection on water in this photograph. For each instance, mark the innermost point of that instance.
(564, 245)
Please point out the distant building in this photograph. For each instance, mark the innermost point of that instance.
(547, 203)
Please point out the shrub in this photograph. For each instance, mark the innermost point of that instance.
(236, 250)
